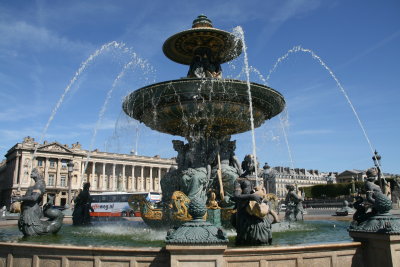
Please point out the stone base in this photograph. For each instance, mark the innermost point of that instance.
(196, 232)
(379, 249)
(214, 217)
(190, 256)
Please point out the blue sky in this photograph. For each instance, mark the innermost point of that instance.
(43, 44)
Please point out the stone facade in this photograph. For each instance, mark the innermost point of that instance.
(105, 171)
(348, 175)
(301, 177)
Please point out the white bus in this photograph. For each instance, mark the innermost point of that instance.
(117, 204)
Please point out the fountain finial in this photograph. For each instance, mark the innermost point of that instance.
(202, 22)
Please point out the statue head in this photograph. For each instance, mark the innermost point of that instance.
(178, 145)
(36, 174)
(290, 187)
(86, 186)
(248, 163)
(371, 173)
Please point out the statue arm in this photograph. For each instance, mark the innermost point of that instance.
(237, 165)
(370, 192)
(237, 195)
(34, 196)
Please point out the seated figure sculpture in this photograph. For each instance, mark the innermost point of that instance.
(228, 168)
(373, 215)
(345, 210)
(293, 204)
(83, 205)
(251, 221)
(378, 202)
(30, 222)
(203, 65)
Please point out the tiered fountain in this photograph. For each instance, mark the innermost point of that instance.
(205, 109)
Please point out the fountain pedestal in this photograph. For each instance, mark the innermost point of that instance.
(379, 249)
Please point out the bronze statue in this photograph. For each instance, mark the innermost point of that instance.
(204, 65)
(293, 204)
(83, 206)
(373, 215)
(252, 224)
(30, 222)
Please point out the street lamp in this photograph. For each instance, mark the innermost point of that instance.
(70, 166)
(266, 175)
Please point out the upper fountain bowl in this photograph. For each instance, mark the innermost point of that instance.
(181, 47)
(215, 107)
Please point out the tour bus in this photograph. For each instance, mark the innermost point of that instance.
(120, 204)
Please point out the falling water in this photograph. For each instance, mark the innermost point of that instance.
(77, 74)
(239, 31)
(283, 120)
(135, 61)
(284, 124)
(315, 56)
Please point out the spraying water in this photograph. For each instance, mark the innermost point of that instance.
(76, 76)
(239, 31)
(284, 124)
(282, 119)
(135, 61)
(316, 57)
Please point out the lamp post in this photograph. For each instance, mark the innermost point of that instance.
(266, 176)
(377, 162)
(70, 166)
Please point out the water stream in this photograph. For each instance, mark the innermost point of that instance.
(238, 31)
(297, 49)
(83, 66)
(134, 62)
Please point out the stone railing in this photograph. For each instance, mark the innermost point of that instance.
(21, 255)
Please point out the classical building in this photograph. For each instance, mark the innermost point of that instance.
(302, 177)
(105, 171)
(348, 175)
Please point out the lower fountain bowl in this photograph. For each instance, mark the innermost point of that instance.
(216, 107)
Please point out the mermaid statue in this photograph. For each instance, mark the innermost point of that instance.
(31, 221)
(373, 215)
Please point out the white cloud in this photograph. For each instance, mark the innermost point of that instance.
(17, 34)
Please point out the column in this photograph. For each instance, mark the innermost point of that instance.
(58, 176)
(123, 187)
(114, 181)
(79, 179)
(103, 179)
(133, 188)
(159, 180)
(46, 169)
(15, 178)
(151, 179)
(94, 186)
(143, 182)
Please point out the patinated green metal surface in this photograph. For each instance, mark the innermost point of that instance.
(218, 107)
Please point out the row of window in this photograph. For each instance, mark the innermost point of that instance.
(52, 162)
(51, 180)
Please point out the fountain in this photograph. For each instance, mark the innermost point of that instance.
(206, 110)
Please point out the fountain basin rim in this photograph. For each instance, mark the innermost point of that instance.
(165, 106)
(203, 80)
